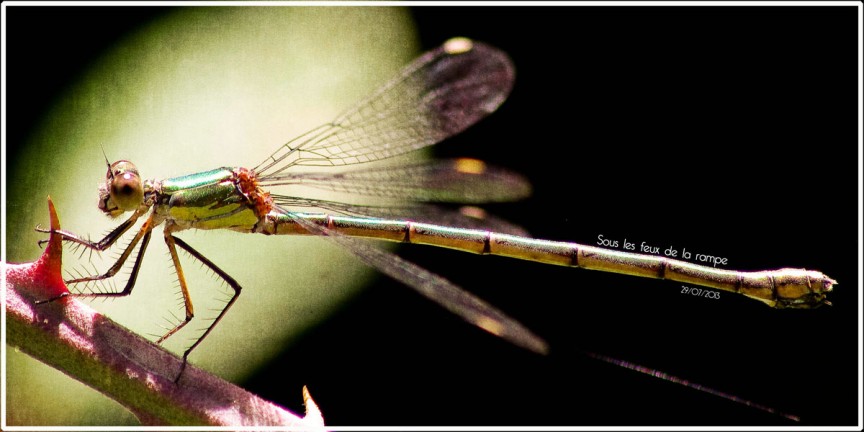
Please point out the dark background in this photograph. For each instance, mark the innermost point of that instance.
(724, 130)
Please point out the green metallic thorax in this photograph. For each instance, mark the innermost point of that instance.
(207, 200)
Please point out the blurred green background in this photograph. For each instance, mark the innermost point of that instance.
(192, 90)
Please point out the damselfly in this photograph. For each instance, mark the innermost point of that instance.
(438, 95)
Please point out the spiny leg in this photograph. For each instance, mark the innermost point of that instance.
(187, 299)
(142, 236)
(101, 245)
(171, 241)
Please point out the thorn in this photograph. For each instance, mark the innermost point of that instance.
(313, 413)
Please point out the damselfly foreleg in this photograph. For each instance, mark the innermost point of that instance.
(143, 236)
(101, 245)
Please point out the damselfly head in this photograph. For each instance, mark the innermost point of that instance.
(122, 191)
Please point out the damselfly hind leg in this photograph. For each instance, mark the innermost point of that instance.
(172, 242)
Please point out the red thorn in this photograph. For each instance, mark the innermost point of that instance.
(46, 271)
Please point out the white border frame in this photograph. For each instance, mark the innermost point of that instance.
(3, 183)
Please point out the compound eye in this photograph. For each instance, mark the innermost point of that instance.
(124, 186)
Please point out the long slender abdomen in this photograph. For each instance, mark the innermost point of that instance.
(783, 288)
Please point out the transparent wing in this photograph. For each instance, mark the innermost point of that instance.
(436, 96)
(455, 180)
(435, 288)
